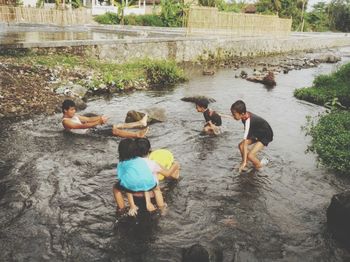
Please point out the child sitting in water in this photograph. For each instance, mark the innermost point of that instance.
(135, 176)
(213, 119)
(162, 158)
(84, 125)
(257, 132)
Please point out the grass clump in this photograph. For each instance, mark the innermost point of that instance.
(325, 88)
(161, 72)
(107, 19)
(331, 140)
(98, 75)
(144, 20)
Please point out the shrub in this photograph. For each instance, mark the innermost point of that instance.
(107, 18)
(162, 73)
(327, 87)
(172, 12)
(331, 140)
(144, 20)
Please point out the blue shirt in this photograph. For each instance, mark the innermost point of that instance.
(135, 175)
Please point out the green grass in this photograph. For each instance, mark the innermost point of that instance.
(149, 73)
(325, 88)
(331, 140)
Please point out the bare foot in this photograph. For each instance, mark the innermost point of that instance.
(143, 132)
(163, 209)
(150, 207)
(143, 121)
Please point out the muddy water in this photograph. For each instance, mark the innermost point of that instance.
(55, 188)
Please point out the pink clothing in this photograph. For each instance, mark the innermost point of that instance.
(155, 168)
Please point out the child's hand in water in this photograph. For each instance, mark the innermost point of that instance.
(104, 120)
(133, 211)
(242, 167)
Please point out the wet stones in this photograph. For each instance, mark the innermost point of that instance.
(281, 64)
(268, 80)
(328, 58)
(243, 74)
(71, 89)
(338, 218)
(155, 115)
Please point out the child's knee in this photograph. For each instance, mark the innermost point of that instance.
(251, 155)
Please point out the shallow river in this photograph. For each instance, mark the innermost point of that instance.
(56, 189)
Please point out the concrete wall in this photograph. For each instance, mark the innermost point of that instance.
(184, 49)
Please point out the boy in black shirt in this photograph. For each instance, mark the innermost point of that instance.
(256, 131)
(212, 119)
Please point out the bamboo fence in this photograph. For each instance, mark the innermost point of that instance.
(10, 14)
(209, 21)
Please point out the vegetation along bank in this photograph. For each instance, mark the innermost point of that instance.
(331, 131)
(33, 84)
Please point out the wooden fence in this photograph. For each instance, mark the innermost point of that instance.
(45, 16)
(209, 21)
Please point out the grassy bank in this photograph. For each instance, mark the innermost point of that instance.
(331, 132)
(325, 88)
(97, 75)
(331, 140)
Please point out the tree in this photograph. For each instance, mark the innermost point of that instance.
(339, 15)
(285, 9)
(317, 19)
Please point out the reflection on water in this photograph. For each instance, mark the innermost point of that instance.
(28, 37)
(57, 204)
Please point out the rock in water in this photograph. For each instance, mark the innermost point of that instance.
(338, 217)
(155, 114)
(269, 79)
(328, 58)
(194, 99)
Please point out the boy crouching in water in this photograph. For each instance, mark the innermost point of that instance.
(212, 119)
(257, 132)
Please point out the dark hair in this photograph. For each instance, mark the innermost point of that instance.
(202, 103)
(67, 104)
(127, 149)
(196, 253)
(143, 146)
(239, 107)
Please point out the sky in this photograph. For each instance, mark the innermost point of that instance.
(310, 4)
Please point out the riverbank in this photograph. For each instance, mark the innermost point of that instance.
(37, 84)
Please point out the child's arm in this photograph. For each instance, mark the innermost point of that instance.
(173, 171)
(67, 123)
(244, 154)
(93, 119)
